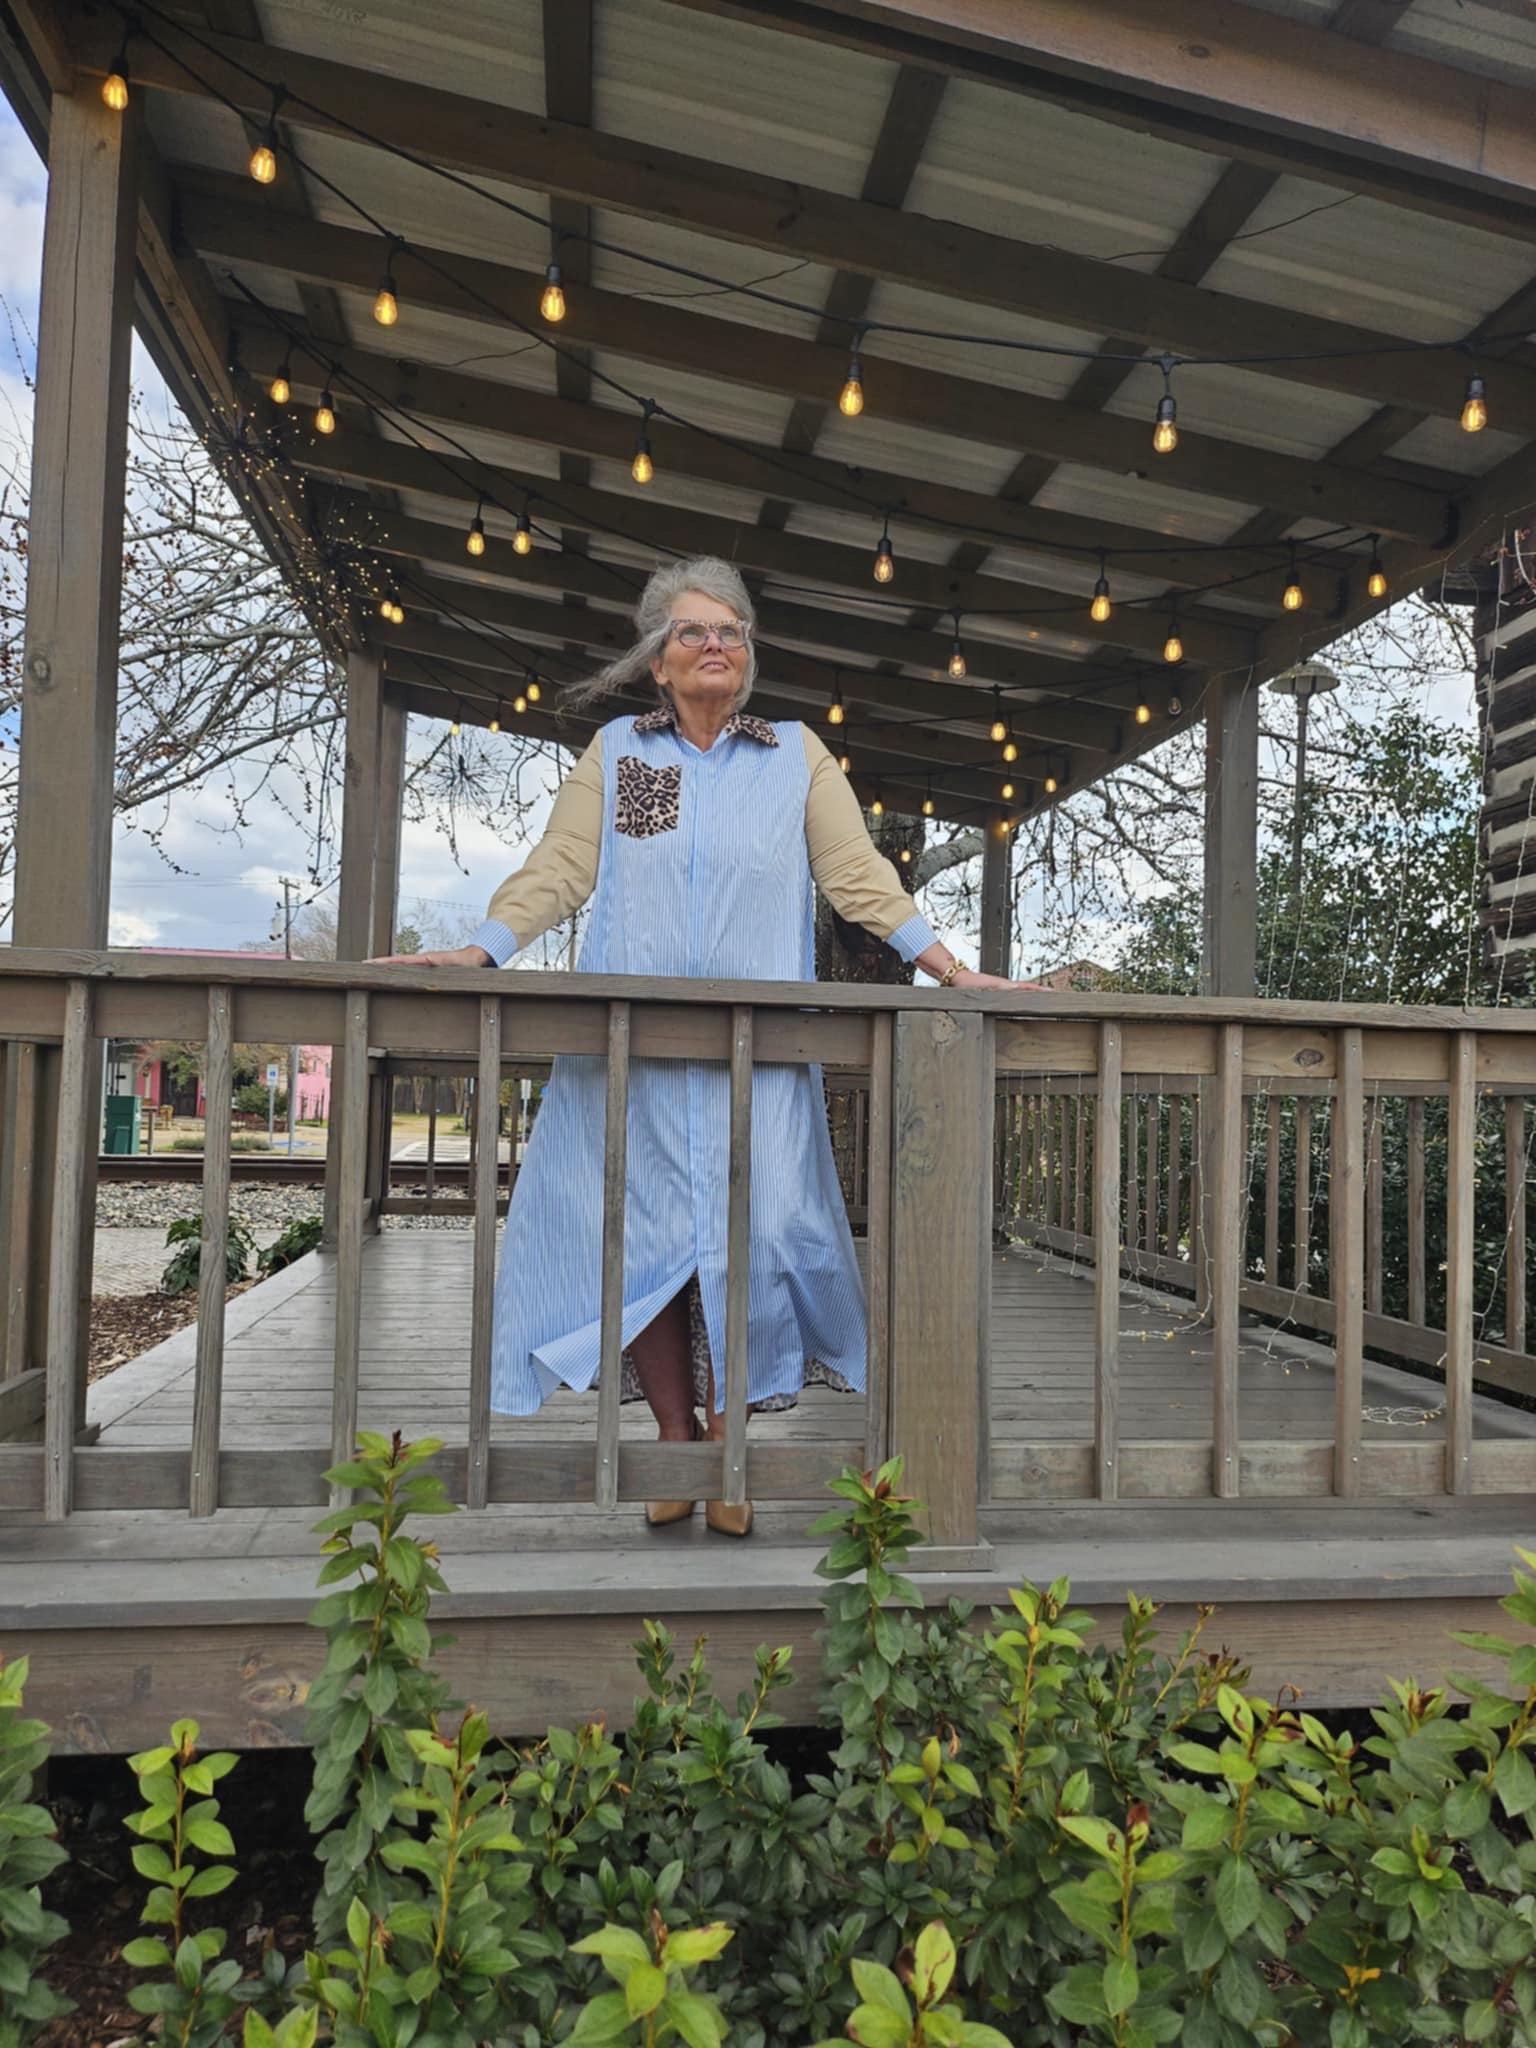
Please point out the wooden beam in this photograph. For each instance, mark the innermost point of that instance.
(571, 161)
(452, 397)
(386, 878)
(996, 902)
(228, 226)
(1265, 89)
(1231, 836)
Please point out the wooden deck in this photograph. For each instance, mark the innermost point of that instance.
(172, 1615)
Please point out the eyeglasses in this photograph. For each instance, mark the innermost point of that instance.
(732, 635)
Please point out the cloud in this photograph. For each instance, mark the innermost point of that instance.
(124, 929)
(23, 185)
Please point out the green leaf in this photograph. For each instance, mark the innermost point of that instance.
(644, 1988)
(613, 1944)
(217, 1877)
(151, 1861)
(1121, 1985)
(1207, 1826)
(935, 1962)
(1515, 1782)
(692, 1945)
(147, 1952)
(695, 2018)
(359, 1924)
(602, 2019)
(876, 2026)
(877, 1985)
(211, 1836)
(1237, 1897)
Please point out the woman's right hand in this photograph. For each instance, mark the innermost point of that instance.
(455, 956)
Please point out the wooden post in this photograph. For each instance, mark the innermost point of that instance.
(1514, 1222)
(1154, 1127)
(208, 1373)
(1229, 911)
(355, 890)
(1346, 1260)
(738, 1254)
(1460, 1205)
(1373, 1192)
(1224, 1160)
(943, 1118)
(386, 867)
(996, 947)
(1416, 1309)
(1302, 1194)
(348, 1146)
(1272, 1190)
(1106, 1271)
(69, 664)
(615, 1188)
(487, 1091)
(877, 1285)
(74, 1155)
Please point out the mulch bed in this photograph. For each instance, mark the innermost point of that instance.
(123, 1325)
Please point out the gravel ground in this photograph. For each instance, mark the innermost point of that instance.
(129, 1205)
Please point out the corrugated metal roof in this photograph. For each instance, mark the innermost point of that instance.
(486, 49)
(1496, 38)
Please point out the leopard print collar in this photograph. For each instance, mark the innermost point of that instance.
(664, 719)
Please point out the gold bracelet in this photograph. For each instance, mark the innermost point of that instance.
(955, 967)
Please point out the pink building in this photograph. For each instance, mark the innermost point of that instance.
(128, 1073)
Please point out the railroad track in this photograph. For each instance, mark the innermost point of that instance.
(276, 1170)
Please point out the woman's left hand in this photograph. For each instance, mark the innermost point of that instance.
(969, 978)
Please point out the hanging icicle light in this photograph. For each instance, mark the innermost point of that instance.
(642, 469)
(1101, 607)
(522, 539)
(552, 299)
(1050, 785)
(1175, 704)
(1376, 581)
(495, 724)
(1474, 409)
(281, 388)
(906, 856)
(474, 540)
(1143, 711)
(325, 413)
(1165, 432)
(845, 762)
(1010, 748)
(454, 728)
(1293, 597)
(885, 561)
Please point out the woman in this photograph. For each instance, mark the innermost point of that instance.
(701, 830)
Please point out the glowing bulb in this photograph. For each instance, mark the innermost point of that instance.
(534, 692)
(281, 390)
(264, 163)
(1173, 646)
(835, 712)
(522, 540)
(495, 725)
(906, 855)
(1376, 583)
(1101, 607)
(1165, 435)
(386, 608)
(114, 88)
(474, 540)
(957, 662)
(519, 705)
(1143, 712)
(1474, 411)
(552, 302)
(877, 809)
(1011, 750)
(999, 732)
(642, 469)
(1294, 596)
(885, 561)
(1050, 785)
(845, 762)
(850, 400)
(927, 806)
(386, 307)
(454, 728)
(1007, 791)
(325, 413)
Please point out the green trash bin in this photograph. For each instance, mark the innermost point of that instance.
(122, 1132)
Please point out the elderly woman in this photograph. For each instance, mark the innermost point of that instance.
(698, 830)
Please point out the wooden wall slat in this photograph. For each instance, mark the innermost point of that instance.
(1415, 1196)
(17, 1159)
(1461, 1195)
(353, 1137)
(1514, 1222)
(74, 1151)
(1225, 1158)
(1106, 1278)
(1346, 1261)
(208, 1372)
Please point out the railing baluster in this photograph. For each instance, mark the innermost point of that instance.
(432, 1087)
(1080, 1166)
(71, 1162)
(738, 1249)
(208, 1374)
(877, 1398)
(20, 1151)
(477, 1475)
(1154, 1128)
(1416, 1307)
(1106, 1273)
(1514, 1222)
(1373, 1180)
(1302, 1193)
(1346, 1259)
(349, 1231)
(1175, 1192)
(1224, 1163)
(615, 1178)
(1064, 1162)
(1460, 1199)
(1103, 1133)
(1271, 1188)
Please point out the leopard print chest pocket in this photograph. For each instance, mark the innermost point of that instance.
(647, 800)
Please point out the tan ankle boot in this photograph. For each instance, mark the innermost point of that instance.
(658, 1513)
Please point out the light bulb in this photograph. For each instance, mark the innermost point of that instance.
(1143, 712)
(264, 163)
(1474, 411)
(885, 561)
(927, 806)
(877, 809)
(1050, 785)
(281, 390)
(642, 469)
(474, 540)
(1175, 704)
(522, 540)
(552, 301)
(845, 762)
(386, 307)
(998, 732)
(1173, 646)
(534, 692)
(906, 856)
(1010, 750)
(1293, 597)
(957, 662)
(1165, 435)
(325, 413)
(1101, 607)
(835, 712)
(1007, 792)
(454, 728)
(495, 725)
(850, 400)
(386, 607)
(519, 705)
(114, 88)
(1376, 583)
(397, 613)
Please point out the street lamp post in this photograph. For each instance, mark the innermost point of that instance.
(1307, 680)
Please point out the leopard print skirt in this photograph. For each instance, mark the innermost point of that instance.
(816, 1374)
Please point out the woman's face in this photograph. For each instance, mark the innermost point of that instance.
(705, 675)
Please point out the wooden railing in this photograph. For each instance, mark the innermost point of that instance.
(1226, 1150)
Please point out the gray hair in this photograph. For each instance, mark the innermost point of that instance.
(654, 613)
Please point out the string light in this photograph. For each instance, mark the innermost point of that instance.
(928, 803)
(1165, 434)
(1050, 785)
(835, 711)
(1293, 597)
(114, 87)
(1101, 607)
(454, 728)
(1376, 582)
(263, 164)
(522, 539)
(957, 668)
(534, 690)
(519, 705)
(1143, 712)
(998, 731)
(845, 762)
(906, 856)
(552, 299)
(877, 807)
(282, 388)
(1474, 409)
(850, 400)
(642, 469)
(885, 561)
(1007, 792)
(1010, 748)
(495, 724)
(325, 413)
(474, 540)
(1175, 704)
(1173, 646)
(386, 306)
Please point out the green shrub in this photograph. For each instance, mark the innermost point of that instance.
(28, 1853)
(181, 1271)
(251, 1100)
(301, 1236)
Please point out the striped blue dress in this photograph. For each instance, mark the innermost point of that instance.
(703, 870)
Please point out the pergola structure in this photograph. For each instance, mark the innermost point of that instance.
(1295, 237)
